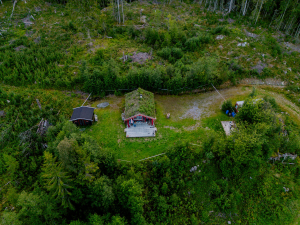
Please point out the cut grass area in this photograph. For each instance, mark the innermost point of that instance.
(109, 130)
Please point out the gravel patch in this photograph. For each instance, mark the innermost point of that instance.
(293, 47)
(103, 105)
(140, 57)
(249, 34)
(19, 48)
(259, 67)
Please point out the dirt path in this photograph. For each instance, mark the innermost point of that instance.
(267, 81)
(286, 104)
(198, 106)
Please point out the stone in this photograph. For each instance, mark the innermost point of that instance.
(38, 9)
(29, 33)
(259, 67)
(27, 20)
(37, 40)
(143, 19)
(2, 113)
(220, 47)
(220, 37)
(242, 44)
(230, 20)
(21, 47)
(249, 34)
(103, 105)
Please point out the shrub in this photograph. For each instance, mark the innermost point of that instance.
(272, 101)
(165, 53)
(227, 105)
(221, 30)
(194, 43)
(274, 46)
(293, 88)
(151, 36)
(99, 57)
(176, 53)
(171, 54)
(253, 93)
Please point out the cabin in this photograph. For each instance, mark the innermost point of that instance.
(139, 116)
(83, 116)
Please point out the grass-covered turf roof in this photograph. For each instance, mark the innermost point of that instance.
(135, 105)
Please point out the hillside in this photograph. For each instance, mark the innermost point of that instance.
(198, 58)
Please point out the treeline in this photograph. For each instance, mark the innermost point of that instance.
(172, 79)
(281, 14)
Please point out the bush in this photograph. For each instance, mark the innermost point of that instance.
(293, 88)
(227, 105)
(274, 46)
(221, 30)
(171, 54)
(194, 43)
(165, 53)
(272, 101)
(151, 36)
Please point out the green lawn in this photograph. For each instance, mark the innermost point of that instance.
(109, 130)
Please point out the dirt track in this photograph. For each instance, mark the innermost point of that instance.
(198, 106)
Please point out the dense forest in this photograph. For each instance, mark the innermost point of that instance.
(54, 54)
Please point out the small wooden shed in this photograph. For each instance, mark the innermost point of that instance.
(83, 116)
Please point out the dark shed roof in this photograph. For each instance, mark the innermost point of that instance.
(83, 112)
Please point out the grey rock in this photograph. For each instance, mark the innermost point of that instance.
(103, 105)
(29, 33)
(37, 40)
(259, 67)
(242, 44)
(143, 19)
(27, 21)
(21, 47)
(220, 37)
(2, 113)
(249, 34)
(230, 20)
(38, 9)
